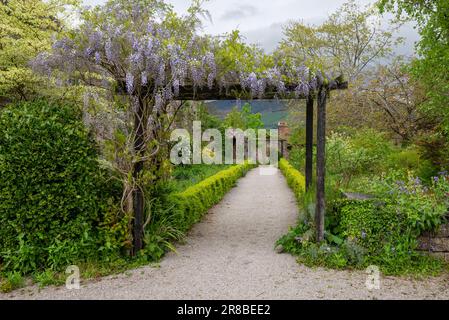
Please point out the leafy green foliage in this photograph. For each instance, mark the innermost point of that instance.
(433, 48)
(11, 281)
(243, 119)
(423, 205)
(295, 179)
(48, 277)
(185, 176)
(26, 29)
(362, 153)
(434, 148)
(48, 165)
(160, 235)
(370, 223)
(381, 231)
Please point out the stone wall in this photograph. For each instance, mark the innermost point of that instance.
(436, 243)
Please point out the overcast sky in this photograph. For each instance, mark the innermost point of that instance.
(260, 21)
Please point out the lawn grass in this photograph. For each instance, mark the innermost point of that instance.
(185, 176)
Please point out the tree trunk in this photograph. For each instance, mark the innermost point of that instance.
(321, 164)
(309, 141)
(137, 194)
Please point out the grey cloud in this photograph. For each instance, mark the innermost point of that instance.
(267, 37)
(241, 12)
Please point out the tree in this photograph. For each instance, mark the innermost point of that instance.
(26, 29)
(349, 41)
(243, 119)
(400, 98)
(431, 69)
(389, 99)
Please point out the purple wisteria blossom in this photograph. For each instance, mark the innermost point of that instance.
(131, 46)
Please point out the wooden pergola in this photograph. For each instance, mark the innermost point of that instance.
(321, 96)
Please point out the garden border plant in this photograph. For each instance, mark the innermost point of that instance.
(360, 233)
(191, 204)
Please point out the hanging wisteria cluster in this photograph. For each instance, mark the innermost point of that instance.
(137, 49)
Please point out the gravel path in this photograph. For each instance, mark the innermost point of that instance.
(230, 255)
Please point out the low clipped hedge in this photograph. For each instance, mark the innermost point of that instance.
(295, 179)
(191, 204)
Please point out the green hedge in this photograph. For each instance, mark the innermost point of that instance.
(51, 188)
(191, 204)
(295, 179)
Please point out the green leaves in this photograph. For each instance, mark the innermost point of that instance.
(51, 188)
(191, 204)
(295, 179)
(26, 28)
(431, 67)
(243, 119)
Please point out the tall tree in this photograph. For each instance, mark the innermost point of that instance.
(26, 29)
(399, 97)
(349, 41)
(432, 17)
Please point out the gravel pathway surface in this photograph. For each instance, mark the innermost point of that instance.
(230, 255)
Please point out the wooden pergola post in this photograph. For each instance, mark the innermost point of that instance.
(309, 141)
(321, 163)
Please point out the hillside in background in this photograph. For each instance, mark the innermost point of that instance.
(272, 111)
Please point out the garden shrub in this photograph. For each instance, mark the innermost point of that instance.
(387, 233)
(370, 223)
(12, 280)
(184, 176)
(295, 179)
(52, 192)
(410, 159)
(363, 153)
(172, 212)
(367, 221)
(382, 230)
(191, 204)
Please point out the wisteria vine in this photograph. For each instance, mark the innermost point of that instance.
(151, 60)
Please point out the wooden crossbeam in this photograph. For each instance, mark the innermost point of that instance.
(236, 91)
